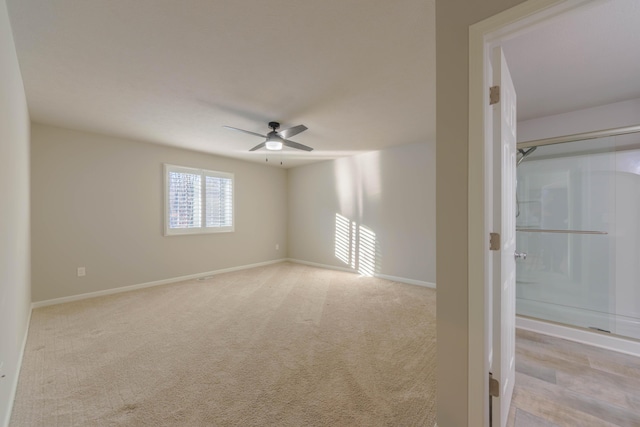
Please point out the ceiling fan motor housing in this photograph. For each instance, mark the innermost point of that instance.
(274, 125)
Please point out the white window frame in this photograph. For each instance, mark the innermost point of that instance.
(203, 229)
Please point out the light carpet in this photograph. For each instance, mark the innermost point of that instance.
(281, 345)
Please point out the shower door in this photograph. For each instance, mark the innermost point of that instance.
(578, 205)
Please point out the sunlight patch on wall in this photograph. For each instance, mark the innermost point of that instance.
(355, 245)
(367, 252)
(343, 234)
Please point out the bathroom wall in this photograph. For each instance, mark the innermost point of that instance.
(619, 114)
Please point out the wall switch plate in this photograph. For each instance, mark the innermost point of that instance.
(277, 247)
(82, 272)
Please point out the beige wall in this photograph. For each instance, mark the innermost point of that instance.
(391, 192)
(98, 201)
(15, 297)
(453, 18)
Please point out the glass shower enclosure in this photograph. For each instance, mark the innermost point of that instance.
(578, 221)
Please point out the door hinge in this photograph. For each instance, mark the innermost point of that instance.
(494, 241)
(494, 95)
(494, 386)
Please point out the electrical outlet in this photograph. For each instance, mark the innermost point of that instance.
(82, 272)
(277, 246)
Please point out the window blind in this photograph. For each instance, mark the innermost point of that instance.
(198, 201)
(219, 197)
(184, 200)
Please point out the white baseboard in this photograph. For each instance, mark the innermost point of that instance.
(351, 270)
(325, 266)
(149, 284)
(16, 376)
(407, 281)
(594, 338)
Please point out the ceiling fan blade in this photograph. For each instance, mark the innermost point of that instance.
(245, 131)
(296, 145)
(288, 133)
(259, 146)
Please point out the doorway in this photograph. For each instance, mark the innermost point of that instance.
(484, 37)
(504, 30)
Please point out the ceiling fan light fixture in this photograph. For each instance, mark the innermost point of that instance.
(273, 142)
(273, 145)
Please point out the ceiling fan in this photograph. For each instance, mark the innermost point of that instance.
(275, 140)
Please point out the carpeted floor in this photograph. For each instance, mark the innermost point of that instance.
(282, 345)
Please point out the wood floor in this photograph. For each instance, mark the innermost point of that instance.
(563, 383)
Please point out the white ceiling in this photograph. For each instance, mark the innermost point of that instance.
(359, 73)
(582, 59)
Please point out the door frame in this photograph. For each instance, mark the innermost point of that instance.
(483, 36)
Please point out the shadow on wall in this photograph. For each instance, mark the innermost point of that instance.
(355, 245)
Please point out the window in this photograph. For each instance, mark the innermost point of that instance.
(197, 201)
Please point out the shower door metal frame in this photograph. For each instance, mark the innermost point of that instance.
(579, 136)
